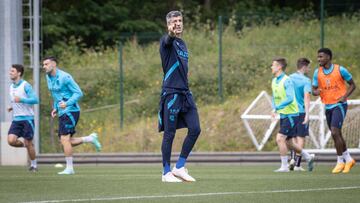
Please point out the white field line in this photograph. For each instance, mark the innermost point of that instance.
(196, 195)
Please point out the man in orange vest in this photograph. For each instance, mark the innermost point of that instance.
(329, 82)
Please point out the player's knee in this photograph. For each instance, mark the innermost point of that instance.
(65, 139)
(168, 135)
(11, 142)
(335, 132)
(279, 140)
(195, 131)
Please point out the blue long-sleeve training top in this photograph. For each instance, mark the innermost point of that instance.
(174, 58)
(64, 88)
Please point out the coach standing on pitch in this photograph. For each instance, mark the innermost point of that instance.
(177, 107)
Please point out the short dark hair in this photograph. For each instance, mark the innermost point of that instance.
(172, 14)
(301, 62)
(51, 58)
(282, 62)
(327, 51)
(19, 68)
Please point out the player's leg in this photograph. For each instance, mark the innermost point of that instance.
(281, 143)
(32, 155)
(300, 141)
(66, 130)
(28, 135)
(67, 147)
(302, 131)
(291, 133)
(16, 129)
(298, 149)
(191, 118)
(92, 138)
(14, 141)
(340, 164)
(338, 117)
(170, 121)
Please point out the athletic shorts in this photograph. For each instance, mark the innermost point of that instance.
(67, 123)
(23, 129)
(288, 126)
(301, 129)
(335, 117)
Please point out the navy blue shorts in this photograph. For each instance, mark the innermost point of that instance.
(335, 117)
(180, 112)
(301, 129)
(23, 129)
(288, 126)
(67, 123)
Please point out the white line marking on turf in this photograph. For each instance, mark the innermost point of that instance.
(196, 195)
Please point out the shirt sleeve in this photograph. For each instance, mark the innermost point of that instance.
(307, 86)
(31, 96)
(315, 78)
(289, 89)
(75, 89)
(345, 74)
(167, 41)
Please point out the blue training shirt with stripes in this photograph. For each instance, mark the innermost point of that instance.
(174, 58)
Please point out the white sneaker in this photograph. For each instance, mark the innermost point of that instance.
(298, 168)
(67, 171)
(292, 164)
(311, 162)
(282, 170)
(170, 178)
(183, 174)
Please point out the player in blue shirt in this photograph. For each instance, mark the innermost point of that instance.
(66, 94)
(177, 107)
(23, 99)
(302, 86)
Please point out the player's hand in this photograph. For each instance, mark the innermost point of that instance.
(53, 113)
(171, 30)
(306, 120)
(273, 116)
(316, 92)
(9, 109)
(17, 99)
(62, 104)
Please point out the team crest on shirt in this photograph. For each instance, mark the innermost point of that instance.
(327, 82)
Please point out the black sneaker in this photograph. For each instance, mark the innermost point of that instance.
(33, 169)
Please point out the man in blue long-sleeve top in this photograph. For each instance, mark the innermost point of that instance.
(177, 107)
(66, 93)
(23, 99)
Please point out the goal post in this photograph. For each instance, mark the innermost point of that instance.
(260, 126)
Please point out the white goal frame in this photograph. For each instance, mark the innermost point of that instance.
(324, 134)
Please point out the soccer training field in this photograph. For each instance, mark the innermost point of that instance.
(142, 183)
